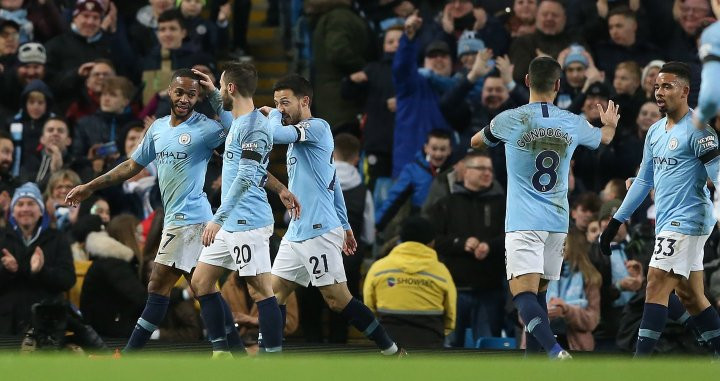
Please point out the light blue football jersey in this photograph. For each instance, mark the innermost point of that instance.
(674, 163)
(709, 51)
(540, 139)
(181, 155)
(247, 153)
(312, 177)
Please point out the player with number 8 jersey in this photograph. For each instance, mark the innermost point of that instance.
(539, 143)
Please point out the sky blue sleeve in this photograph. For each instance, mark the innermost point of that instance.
(340, 205)
(282, 134)
(253, 147)
(705, 145)
(640, 187)
(709, 98)
(588, 135)
(215, 135)
(226, 117)
(145, 153)
(500, 129)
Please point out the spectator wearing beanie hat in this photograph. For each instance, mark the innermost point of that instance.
(577, 64)
(411, 292)
(36, 260)
(31, 60)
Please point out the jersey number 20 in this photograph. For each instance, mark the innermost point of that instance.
(546, 163)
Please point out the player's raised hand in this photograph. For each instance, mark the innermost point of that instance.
(350, 245)
(610, 116)
(205, 80)
(607, 236)
(78, 195)
(292, 204)
(208, 235)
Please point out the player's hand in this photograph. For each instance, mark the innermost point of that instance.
(205, 81)
(610, 116)
(481, 251)
(607, 236)
(265, 110)
(350, 245)
(629, 182)
(37, 261)
(9, 261)
(292, 204)
(77, 195)
(208, 235)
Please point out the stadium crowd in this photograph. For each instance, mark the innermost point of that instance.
(404, 85)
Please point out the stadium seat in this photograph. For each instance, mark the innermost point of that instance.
(81, 268)
(496, 343)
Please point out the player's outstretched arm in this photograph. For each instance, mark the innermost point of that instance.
(609, 119)
(292, 204)
(477, 142)
(120, 173)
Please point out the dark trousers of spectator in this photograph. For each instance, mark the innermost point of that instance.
(482, 311)
(313, 307)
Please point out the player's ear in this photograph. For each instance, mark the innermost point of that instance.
(527, 80)
(557, 85)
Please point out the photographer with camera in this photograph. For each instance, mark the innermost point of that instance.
(36, 260)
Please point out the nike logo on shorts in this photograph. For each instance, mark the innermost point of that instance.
(319, 276)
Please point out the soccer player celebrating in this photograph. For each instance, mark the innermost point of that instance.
(310, 251)
(677, 160)
(709, 98)
(539, 143)
(238, 236)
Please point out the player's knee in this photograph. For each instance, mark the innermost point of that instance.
(157, 286)
(654, 290)
(336, 301)
(202, 286)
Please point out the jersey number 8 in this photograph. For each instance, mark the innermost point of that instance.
(541, 164)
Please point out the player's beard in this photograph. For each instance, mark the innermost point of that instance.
(289, 119)
(5, 166)
(227, 102)
(182, 113)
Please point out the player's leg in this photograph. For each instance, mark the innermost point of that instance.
(660, 284)
(288, 272)
(162, 280)
(339, 299)
(528, 257)
(282, 289)
(203, 283)
(678, 313)
(531, 343)
(269, 314)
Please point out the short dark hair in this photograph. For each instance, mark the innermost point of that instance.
(300, 86)
(104, 61)
(544, 72)
(172, 15)
(5, 135)
(184, 73)
(624, 11)
(417, 229)
(438, 134)
(589, 201)
(475, 154)
(680, 69)
(559, 2)
(57, 119)
(244, 76)
(347, 146)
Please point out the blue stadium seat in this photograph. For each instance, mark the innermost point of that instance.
(496, 343)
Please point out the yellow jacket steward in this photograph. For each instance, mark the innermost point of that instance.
(412, 285)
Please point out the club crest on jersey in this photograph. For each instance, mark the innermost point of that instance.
(391, 281)
(673, 144)
(184, 139)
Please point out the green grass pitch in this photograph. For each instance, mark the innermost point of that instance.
(331, 367)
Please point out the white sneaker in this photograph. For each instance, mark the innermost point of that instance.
(563, 355)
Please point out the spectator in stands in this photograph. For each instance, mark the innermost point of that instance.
(628, 95)
(629, 149)
(85, 42)
(31, 59)
(480, 24)
(549, 38)
(470, 241)
(87, 87)
(615, 189)
(676, 25)
(373, 85)
(467, 54)
(142, 32)
(13, 10)
(53, 154)
(444, 184)
(649, 73)
(521, 20)
(341, 45)
(104, 126)
(37, 101)
(8, 182)
(59, 184)
(577, 64)
(458, 16)
(410, 291)
(573, 301)
(204, 35)
(417, 111)
(624, 44)
(9, 43)
(583, 211)
(84, 225)
(415, 178)
(622, 276)
(36, 261)
(113, 294)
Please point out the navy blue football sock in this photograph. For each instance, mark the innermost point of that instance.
(213, 315)
(651, 327)
(270, 324)
(708, 323)
(155, 310)
(234, 340)
(363, 319)
(531, 344)
(536, 321)
(677, 312)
